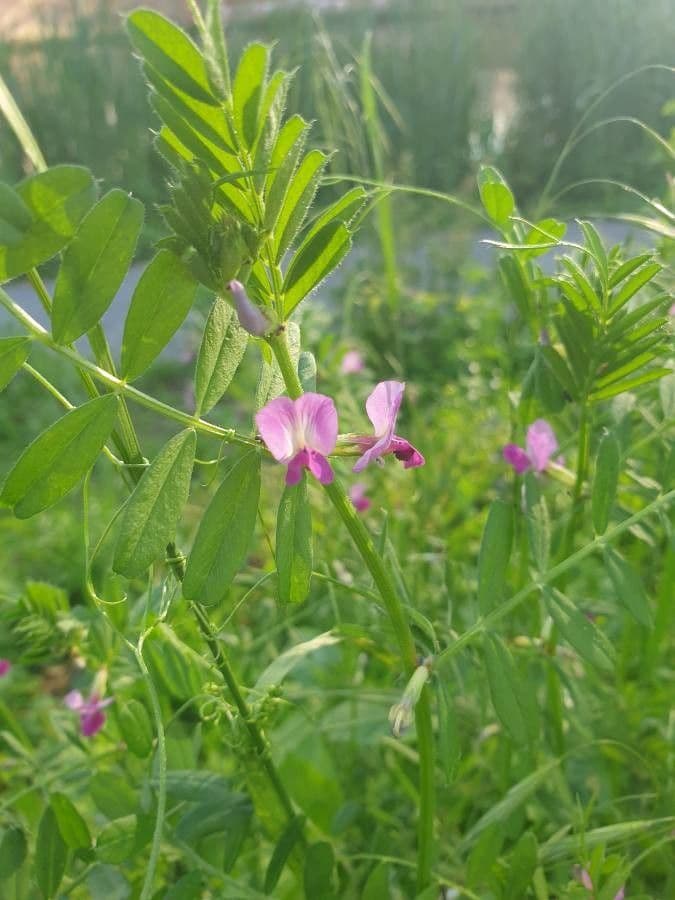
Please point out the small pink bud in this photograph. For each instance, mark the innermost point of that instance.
(5, 666)
(357, 494)
(352, 363)
(251, 317)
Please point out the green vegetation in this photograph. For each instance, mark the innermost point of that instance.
(462, 690)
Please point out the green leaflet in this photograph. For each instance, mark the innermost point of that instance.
(208, 121)
(277, 670)
(283, 162)
(589, 642)
(538, 523)
(13, 850)
(222, 349)
(315, 259)
(249, 83)
(633, 284)
(51, 854)
(630, 591)
(94, 264)
(170, 51)
(136, 727)
(72, 826)
(298, 199)
(115, 843)
(294, 543)
(51, 466)
(512, 699)
(175, 667)
(495, 551)
(152, 512)
(605, 481)
(523, 862)
(495, 195)
(40, 216)
(289, 838)
(224, 533)
(160, 303)
(13, 354)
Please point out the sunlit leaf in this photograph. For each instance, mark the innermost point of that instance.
(95, 264)
(59, 458)
(224, 534)
(152, 512)
(160, 303)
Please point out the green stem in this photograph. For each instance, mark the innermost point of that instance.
(146, 892)
(378, 569)
(489, 621)
(117, 384)
(257, 738)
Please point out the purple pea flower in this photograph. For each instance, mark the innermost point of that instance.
(92, 717)
(300, 433)
(583, 876)
(540, 444)
(357, 494)
(251, 317)
(352, 363)
(5, 666)
(382, 407)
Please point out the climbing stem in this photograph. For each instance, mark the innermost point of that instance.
(491, 619)
(117, 384)
(400, 624)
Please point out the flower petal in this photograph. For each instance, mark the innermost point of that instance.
(277, 424)
(318, 422)
(74, 700)
(541, 444)
(376, 448)
(410, 456)
(515, 456)
(295, 467)
(357, 494)
(5, 666)
(91, 722)
(320, 467)
(383, 405)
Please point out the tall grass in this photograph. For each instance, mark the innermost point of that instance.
(433, 63)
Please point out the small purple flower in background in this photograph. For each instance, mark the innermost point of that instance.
(357, 494)
(300, 433)
(382, 407)
(352, 363)
(92, 717)
(540, 444)
(671, 311)
(5, 666)
(583, 876)
(251, 317)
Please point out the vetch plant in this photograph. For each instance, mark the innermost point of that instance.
(204, 782)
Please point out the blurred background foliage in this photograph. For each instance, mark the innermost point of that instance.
(460, 82)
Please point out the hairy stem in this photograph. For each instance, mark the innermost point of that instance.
(404, 638)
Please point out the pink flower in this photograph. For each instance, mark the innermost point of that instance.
(352, 363)
(300, 433)
(5, 666)
(671, 311)
(357, 494)
(583, 876)
(92, 717)
(251, 317)
(541, 444)
(382, 407)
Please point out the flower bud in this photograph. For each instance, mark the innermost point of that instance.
(251, 317)
(401, 714)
